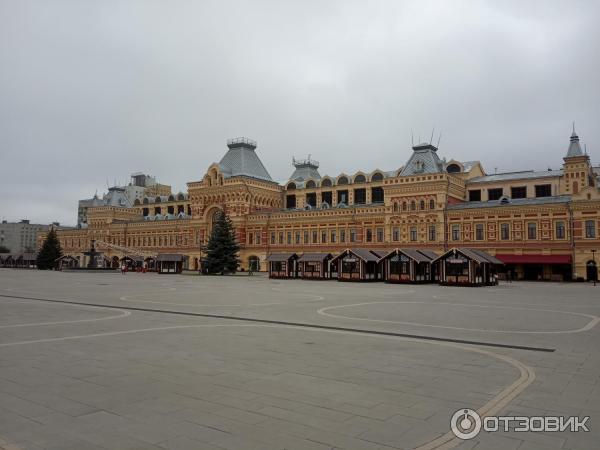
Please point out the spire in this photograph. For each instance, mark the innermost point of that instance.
(574, 146)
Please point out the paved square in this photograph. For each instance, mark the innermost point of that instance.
(132, 376)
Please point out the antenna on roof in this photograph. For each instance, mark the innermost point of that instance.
(573, 127)
(585, 148)
(431, 139)
(439, 139)
(412, 138)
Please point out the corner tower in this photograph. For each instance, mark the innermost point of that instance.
(578, 173)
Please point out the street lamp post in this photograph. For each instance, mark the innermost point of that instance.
(595, 267)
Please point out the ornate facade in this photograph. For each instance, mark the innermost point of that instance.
(543, 225)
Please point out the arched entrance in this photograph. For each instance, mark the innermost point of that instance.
(212, 216)
(591, 271)
(254, 263)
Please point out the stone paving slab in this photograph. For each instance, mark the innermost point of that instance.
(107, 378)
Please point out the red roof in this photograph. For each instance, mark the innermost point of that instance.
(535, 259)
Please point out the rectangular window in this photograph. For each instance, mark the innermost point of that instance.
(289, 237)
(456, 232)
(315, 237)
(379, 234)
(297, 237)
(504, 231)
(560, 230)
(306, 241)
(272, 238)
(543, 190)
(250, 238)
(479, 232)
(495, 194)
(377, 195)
(396, 234)
(475, 195)
(324, 237)
(369, 235)
(352, 235)
(531, 231)
(311, 199)
(518, 192)
(342, 236)
(360, 196)
(342, 197)
(326, 198)
(258, 233)
(290, 201)
(281, 237)
(333, 237)
(590, 229)
(432, 233)
(413, 234)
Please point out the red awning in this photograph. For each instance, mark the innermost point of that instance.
(535, 259)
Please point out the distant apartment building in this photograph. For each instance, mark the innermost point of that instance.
(20, 237)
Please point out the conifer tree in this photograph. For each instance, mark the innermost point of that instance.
(50, 252)
(222, 249)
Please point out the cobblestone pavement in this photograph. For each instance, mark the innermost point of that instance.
(132, 376)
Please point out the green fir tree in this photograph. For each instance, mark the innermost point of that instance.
(222, 249)
(50, 252)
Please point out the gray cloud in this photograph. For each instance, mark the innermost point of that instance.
(91, 91)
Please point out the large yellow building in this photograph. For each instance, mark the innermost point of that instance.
(543, 225)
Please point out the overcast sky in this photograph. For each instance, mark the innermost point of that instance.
(94, 90)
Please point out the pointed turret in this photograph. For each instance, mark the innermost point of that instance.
(574, 146)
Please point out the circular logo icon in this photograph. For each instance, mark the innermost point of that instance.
(465, 423)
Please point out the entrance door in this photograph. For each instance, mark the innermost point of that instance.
(533, 272)
(254, 264)
(591, 271)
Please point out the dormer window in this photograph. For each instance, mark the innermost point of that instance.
(453, 168)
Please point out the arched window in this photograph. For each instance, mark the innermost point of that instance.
(180, 196)
(403, 206)
(432, 204)
(326, 182)
(422, 204)
(453, 168)
(291, 186)
(171, 198)
(395, 207)
(145, 201)
(359, 179)
(377, 176)
(413, 205)
(311, 184)
(342, 180)
(157, 199)
(137, 201)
